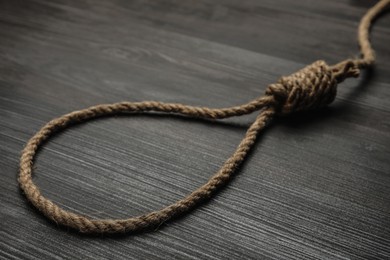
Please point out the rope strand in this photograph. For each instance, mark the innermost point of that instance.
(312, 87)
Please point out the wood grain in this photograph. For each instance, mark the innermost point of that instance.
(315, 186)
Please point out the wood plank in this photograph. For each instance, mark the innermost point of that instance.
(314, 187)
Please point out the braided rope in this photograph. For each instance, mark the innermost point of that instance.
(312, 87)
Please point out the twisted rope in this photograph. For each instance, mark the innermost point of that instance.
(312, 87)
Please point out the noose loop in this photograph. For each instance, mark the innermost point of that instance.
(312, 87)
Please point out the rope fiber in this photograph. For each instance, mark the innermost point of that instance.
(312, 87)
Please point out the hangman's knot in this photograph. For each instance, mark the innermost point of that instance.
(312, 87)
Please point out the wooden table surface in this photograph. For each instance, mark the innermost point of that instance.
(316, 185)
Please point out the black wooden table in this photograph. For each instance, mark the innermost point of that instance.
(316, 186)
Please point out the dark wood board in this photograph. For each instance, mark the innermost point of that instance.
(316, 185)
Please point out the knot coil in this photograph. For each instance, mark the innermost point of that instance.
(311, 87)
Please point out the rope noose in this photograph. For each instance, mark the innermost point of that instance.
(312, 87)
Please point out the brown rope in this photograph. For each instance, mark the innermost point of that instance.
(310, 88)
